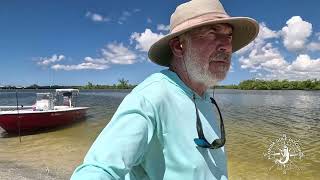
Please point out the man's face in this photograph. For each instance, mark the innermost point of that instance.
(208, 53)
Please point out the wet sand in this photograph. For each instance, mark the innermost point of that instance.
(10, 170)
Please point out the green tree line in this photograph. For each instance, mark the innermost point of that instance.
(278, 85)
(122, 84)
(257, 84)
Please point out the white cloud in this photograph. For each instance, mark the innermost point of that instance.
(291, 75)
(313, 46)
(118, 54)
(296, 33)
(45, 61)
(82, 66)
(231, 68)
(267, 58)
(96, 17)
(145, 40)
(95, 60)
(270, 61)
(304, 63)
(162, 27)
(89, 63)
(124, 16)
(113, 53)
(264, 34)
(318, 35)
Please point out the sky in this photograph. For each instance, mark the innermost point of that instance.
(101, 41)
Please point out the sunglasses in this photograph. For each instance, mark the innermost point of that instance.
(201, 141)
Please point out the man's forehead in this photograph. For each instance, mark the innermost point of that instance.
(221, 27)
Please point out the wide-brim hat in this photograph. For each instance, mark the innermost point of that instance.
(196, 13)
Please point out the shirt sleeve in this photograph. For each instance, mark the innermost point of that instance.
(122, 143)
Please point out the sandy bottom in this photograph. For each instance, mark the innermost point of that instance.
(11, 171)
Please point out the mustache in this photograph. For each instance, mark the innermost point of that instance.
(221, 56)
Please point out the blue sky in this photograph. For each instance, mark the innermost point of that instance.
(74, 42)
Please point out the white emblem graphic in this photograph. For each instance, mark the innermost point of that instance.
(285, 153)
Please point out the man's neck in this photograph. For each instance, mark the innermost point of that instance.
(198, 88)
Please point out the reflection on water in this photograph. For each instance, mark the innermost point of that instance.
(253, 119)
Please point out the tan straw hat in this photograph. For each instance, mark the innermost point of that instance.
(196, 13)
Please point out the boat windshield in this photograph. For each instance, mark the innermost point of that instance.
(41, 96)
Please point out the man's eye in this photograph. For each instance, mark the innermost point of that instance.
(212, 32)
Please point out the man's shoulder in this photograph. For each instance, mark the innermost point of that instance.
(155, 83)
(158, 87)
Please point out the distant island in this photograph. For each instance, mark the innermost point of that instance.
(258, 84)
(255, 84)
(122, 84)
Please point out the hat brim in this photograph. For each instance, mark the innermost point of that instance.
(244, 31)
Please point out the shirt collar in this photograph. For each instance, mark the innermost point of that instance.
(174, 78)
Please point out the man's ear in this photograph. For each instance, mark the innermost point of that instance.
(176, 47)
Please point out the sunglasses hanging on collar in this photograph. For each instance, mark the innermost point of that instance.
(201, 141)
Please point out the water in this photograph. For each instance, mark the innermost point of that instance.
(253, 120)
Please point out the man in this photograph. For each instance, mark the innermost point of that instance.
(165, 128)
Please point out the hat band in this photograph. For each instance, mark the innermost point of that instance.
(197, 20)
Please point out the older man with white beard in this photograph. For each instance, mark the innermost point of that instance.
(201, 57)
(166, 127)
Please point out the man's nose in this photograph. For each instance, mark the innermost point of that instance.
(225, 44)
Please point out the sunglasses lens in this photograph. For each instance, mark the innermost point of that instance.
(217, 145)
(201, 142)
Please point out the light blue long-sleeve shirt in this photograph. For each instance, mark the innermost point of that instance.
(151, 136)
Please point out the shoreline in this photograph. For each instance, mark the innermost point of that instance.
(125, 90)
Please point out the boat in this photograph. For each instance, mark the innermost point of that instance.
(44, 113)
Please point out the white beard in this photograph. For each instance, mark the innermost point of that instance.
(198, 73)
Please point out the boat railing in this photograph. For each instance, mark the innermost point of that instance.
(12, 108)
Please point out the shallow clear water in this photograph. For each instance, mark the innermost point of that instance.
(253, 120)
